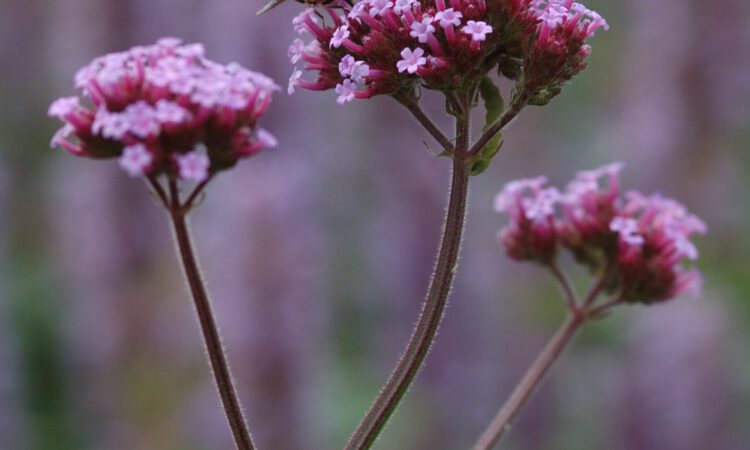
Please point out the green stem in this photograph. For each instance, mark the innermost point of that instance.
(209, 328)
(432, 310)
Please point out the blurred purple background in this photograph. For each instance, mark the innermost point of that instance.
(318, 253)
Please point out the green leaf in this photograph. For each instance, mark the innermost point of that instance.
(493, 101)
(494, 107)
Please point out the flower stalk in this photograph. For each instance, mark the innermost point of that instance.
(437, 296)
(638, 246)
(528, 384)
(210, 330)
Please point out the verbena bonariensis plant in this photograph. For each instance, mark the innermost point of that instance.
(403, 47)
(638, 248)
(176, 118)
(172, 116)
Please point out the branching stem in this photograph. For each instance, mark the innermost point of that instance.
(577, 316)
(504, 418)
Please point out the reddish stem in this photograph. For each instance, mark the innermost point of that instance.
(432, 311)
(521, 394)
(209, 328)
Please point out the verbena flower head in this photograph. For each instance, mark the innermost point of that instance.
(559, 50)
(531, 234)
(443, 45)
(165, 109)
(642, 242)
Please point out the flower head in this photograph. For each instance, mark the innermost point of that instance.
(544, 40)
(559, 51)
(642, 243)
(147, 105)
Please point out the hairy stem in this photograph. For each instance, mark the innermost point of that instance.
(504, 418)
(432, 310)
(211, 337)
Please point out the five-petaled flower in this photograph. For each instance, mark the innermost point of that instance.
(411, 60)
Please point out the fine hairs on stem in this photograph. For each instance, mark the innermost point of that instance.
(437, 296)
(210, 330)
(432, 311)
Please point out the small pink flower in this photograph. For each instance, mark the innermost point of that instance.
(111, 125)
(299, 20)
(422, 30)
(448, 18)
(346, 65)
(193, 166)
(477, 30)
(169, 112)
(378, 7)
(357, 10)
(266, 139)
(62, 107)
(346, 91)
(628, 230)
(295, 50)
(135, 160)
(553, 15)
(142, 120)
(293, 81)
(411, 60)
(402, 6)
(339, 36)
(359, 71)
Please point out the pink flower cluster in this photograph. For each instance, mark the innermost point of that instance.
(559, 50)
(387, 46)
(642, 242)
(165, 108)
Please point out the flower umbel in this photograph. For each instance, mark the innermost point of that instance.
(165, 107)
(542, 40)
(641, 243)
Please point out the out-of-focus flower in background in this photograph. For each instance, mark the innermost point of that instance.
(166, 108)
(638, 243)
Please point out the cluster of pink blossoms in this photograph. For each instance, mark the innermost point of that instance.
(642, 242)
(165, 108)
(387, 46)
